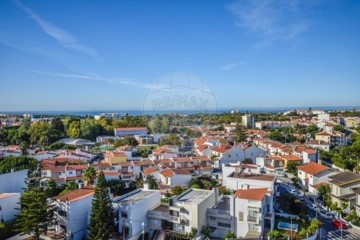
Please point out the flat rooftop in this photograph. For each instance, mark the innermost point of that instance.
(224, 204)
(162, 208)
(260, 177)
(194, 196)
(134, 196)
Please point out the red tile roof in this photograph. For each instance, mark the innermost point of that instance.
(222, 149)
(149, 170)
(76, 195)
(291, 158)
(313, 168)
(256, 194)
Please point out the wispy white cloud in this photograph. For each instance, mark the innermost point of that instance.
(97, 77)
(63, 37)
(271, 20)
(232, 65)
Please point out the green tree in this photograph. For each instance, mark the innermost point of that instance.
(171, 139)
(292, 167)
(18, 163)
(34, 214)
(240, 132)
(40, 133)
(152, 183)
(74, 130)
(52, 189)
(323, 192)
(275, 235)
(101, 219)
(116, 186)
(193, 233)
(207, 231)
(230, 235)
(90, 175)
(177, 190)
(70, 186)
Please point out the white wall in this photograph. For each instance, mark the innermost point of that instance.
(13, 182)
(242, 183)
(78, 217)
(8, 205)
(180, 180)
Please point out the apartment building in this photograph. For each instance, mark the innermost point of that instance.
(71, 211)
(131, 211)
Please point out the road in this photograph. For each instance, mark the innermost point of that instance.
(329, 231)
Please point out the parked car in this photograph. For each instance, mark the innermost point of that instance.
(292, 191)
(313, 207)
(325, 214)
(339, 224)
(299, 196)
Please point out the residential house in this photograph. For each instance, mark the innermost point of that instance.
(115, 158)
(241, 180)
(45, 155)
(341, 186)
(318, 144)
(254, 212)
(175, 177)
(313, 175)
(333, 138)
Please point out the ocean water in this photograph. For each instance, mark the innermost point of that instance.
(140, 112)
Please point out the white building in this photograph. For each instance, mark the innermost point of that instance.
(131, 211)
(72, 211)
(248, 121)
(175, 177)
(242, 180)
(254, 212)
(312, 175)
(8, 206)
(13, 182)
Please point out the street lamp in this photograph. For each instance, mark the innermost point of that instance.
(143, 231)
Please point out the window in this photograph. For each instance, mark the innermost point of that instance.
(252, 226)
(212, 218)
(252, 213)
(225, 225)
(124, 214)
(241, 216)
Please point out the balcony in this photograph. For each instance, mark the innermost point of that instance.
(253, 219)
(218, 214)
(269, 215)
(158, 215)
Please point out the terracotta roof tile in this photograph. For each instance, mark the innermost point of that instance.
(76, 195)
(256, 194)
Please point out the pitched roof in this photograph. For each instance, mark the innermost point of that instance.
(183, 160)
(256, 194)
(344, 178)
(222, 149)
(76, 195)
(150, 170)
(313, 168)
(291, 158)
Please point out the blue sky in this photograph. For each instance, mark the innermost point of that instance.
(103, 55)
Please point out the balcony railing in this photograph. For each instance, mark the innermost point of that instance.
(252, 219)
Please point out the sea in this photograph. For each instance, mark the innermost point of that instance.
(182, 112)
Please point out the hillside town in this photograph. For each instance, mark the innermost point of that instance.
(289, 175)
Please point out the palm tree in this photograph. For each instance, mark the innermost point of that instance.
(90, 175)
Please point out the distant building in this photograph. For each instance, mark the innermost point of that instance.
(248, 121)
(124, 132)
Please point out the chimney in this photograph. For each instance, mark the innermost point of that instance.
(216, 191)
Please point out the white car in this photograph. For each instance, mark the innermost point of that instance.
(292, 191)
(313, 207)
(326, 215)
